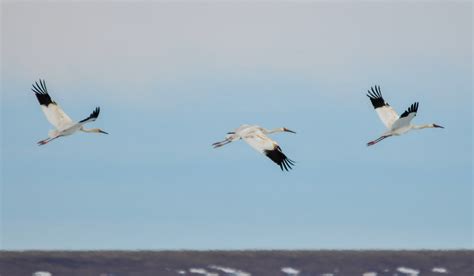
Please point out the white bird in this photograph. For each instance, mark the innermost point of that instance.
(257, 138)
(61, 121)
(396, 125)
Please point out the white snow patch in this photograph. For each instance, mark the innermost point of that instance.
(202, 271)
(439, 270)
(290, 271)
(409, 271)
(229, 270)
(180, 271)
(369, 274)
(198, 270)
(42, 273)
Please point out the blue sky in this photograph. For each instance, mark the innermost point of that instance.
(172, 78)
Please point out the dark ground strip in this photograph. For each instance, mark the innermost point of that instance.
(260, 263)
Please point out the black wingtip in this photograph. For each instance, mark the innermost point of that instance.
(412, 109)
(277, 156)
(375, 96)
(96, 112)
(94, 115)
(41, 93)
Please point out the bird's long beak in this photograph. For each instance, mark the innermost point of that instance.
(101, 131)
(437, 126)
(287, 130)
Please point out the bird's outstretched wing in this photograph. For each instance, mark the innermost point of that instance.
(406, 116)
(270, 148)
(386, 113)
(277, 156)
(91, 117)
(55, 115)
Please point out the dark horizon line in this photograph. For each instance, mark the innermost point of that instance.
(238, 250)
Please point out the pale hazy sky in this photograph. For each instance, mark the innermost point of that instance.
(172, 78)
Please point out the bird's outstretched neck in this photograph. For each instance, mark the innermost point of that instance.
(426, 126)
(93, 130)
(275, 130)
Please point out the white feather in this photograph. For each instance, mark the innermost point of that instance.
(56, 116)
(404, 122)
(387, 115)
(259, 141)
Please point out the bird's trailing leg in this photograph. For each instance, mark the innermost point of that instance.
(45, 141)
(371, 143)
(221, 143)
